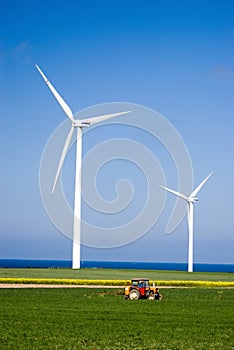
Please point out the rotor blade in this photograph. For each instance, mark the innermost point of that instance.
(181, 195)
(60, 100)
(197, 189)
(63, 155)
(100, 118)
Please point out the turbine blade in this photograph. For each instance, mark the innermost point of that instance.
(100, 118)
(63, 155)
(60, 100)
(181, 195)
(197, 189)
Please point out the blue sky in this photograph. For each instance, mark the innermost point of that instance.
(174, 57)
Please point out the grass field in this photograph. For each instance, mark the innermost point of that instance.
(115, 274)
(103, 319)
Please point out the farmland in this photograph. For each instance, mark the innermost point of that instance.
(116, 274)
(194, 318)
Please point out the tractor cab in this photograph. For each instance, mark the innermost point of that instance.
(141, 284)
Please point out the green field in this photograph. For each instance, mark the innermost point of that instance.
(116, 274)
(103, 319)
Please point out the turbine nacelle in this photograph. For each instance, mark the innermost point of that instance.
(193, 199)
(81, 123)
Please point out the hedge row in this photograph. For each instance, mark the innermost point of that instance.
(180, 283)
(173, 283)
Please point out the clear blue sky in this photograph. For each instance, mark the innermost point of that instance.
(175, 57)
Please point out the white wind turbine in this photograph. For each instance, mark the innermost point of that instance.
(78, 124)
(190, 200)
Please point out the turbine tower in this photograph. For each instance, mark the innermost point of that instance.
(190, 200)
(75, 124)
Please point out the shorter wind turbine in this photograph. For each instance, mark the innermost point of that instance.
(75, 124)
(190, 200)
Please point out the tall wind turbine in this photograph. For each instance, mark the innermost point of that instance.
(190, 200)
(75, 124)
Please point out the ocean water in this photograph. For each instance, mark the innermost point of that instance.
(198, 267)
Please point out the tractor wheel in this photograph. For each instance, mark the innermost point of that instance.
(158, 296)
(151, 296)
(134, 294)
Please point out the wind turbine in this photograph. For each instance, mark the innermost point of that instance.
(75, 124)
(190, 200)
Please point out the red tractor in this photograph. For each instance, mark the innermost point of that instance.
(140, 288)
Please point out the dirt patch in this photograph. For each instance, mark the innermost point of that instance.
(22, 285)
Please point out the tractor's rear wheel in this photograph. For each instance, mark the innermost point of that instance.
(134, 294)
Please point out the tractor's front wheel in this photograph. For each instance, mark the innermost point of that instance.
(134, 294)
(151, 296)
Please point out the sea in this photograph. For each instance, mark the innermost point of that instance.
(172, 266)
